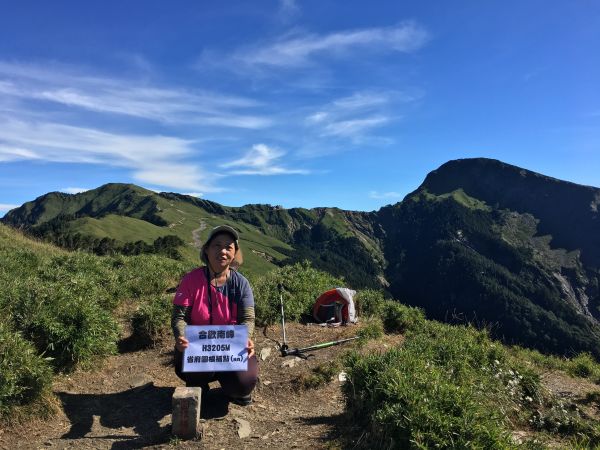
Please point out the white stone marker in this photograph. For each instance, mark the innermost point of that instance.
(186, 412)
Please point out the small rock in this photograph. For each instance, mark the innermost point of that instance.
(244, 429)
(266, 382)
(265, 353)
(289, 363)
(342, 377)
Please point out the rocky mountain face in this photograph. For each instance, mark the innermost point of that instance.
(485, 242)
(479, 241)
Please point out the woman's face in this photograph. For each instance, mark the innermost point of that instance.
(220, 252)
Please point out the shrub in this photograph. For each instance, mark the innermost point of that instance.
(25, 377)
(398, 318)
(69, 328)
(147, 275)
(446, 387)
(372, 328)
(370, 302)
(302, 285)
(583, 365)
(152, 321)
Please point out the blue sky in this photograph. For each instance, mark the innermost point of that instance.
(292, 102)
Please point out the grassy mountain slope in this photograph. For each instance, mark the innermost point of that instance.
(334, 240)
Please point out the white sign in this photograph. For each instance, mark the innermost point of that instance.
(216, 348)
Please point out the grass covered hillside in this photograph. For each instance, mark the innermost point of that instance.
(58, 312)
(126, 219)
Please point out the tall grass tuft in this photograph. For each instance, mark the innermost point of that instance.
(151, 321)
(446, 387)
(302, 285)
(25, 376)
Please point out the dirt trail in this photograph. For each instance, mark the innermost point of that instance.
(196, 234)
(127, 403)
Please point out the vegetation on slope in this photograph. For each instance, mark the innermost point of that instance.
(57, 310)
(480, 241)
(463, 263)
(443, 386)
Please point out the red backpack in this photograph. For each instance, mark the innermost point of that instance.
(335, 306)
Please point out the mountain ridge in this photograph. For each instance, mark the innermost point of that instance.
(479, 240)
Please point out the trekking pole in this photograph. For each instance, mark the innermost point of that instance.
(300, 351)
(284, 346)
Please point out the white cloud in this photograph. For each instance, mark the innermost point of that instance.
(384, 195)
(299, 50)
(106, 95)
(8, 154)
(260, 160)
(194, 194)
(354, 127)
(354, 115)
(73, 190)
(159, 160)
(288, 9)
(5, 207)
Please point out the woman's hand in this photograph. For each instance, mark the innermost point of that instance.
(181, 343)
(250, 348)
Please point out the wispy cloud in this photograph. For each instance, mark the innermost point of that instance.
(355, 127)
(9, 153)
(156, 160)
(261, 160)
(5, 207)
(384, 195)
(353, 116)
(288, 10)
(125, 97)
(73, 190)
(300, 49)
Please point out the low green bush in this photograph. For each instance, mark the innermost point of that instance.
(584, 366)
(71, 329)
(147, 275)
(399, 318)
(25, 376)
(371, 328)
(302, 285)
(370, 302)
(152, 321)
(446, 387)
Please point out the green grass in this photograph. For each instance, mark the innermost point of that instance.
(318, 376)
(582, 365)
(62, 305)
(121, 228)
(25, 376)
(437, 391)
(457, 195)
(302, 285)
(151, 321)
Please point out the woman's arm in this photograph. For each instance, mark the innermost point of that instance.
(179, 318)
(246, 317)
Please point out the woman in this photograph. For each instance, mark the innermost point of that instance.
(216, 294)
